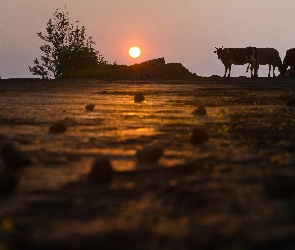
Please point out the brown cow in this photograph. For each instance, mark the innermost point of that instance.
(270, 57)
(238, 56)
(289, 60)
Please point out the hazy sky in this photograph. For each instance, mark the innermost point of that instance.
(180, 31)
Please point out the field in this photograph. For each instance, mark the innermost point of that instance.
(235, 190)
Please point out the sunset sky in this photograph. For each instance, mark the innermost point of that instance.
(180, 31)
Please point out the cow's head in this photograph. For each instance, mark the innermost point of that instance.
(282, 69)
(218, 51)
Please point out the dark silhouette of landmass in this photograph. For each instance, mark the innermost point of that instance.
(155, 68)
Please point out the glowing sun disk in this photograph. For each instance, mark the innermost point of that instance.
(134, 52)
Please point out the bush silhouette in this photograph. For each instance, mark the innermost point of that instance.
(66, 49)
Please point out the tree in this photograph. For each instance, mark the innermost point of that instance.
(66, 49)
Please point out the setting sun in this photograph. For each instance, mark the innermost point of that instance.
(134, 52)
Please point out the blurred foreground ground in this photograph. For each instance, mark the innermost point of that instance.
(235, 191)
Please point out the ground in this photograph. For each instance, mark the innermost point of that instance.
(234, 191)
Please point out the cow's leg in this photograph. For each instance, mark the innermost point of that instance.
(225, 70)
(229, 69)
(273, 71)
(255, 68)
(269, 69)
(248, 68)
(251, 69)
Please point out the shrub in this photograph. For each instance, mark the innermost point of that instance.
(66, 49)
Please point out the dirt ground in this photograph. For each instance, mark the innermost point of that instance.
(234, 191)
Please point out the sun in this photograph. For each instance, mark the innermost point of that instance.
(134, 52)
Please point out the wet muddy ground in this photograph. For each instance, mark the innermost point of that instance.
(234, 191)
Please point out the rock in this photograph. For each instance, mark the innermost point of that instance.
(89, 107)
(58, 128)
(149, 155)
(199, 136)
(290, 102)
(154, 185)
(139, 97)
(3, 140)
(102, 171)
(13, 158)
(280, 186)
(8, 184)
(50, 203)
(3, 137)
(199, 111)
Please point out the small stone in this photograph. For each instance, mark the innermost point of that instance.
(154, 185)
(199, 136)
(290, 102)
(199, 111)
(102, 171)
(89, 107)
(58, 128)
(280, 186)
(149, 155)
(8, 184)
(50, 203)
(3, 137)
(13, 158)
(139, 97)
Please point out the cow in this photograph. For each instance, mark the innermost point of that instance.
(270, 57)
(238, 56)
(289, 60)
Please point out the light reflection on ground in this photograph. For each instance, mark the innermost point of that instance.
(228, 193)
(117, 126)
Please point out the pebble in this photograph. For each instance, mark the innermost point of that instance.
(58, 128)
(280, 186)
(14, 158)
(149, 155)
(199, 136)
(290, 102)
(3, 137)
(8, 184)
(50, 203)
(89, 107)
(139, 97)
(199, 111)
(102, 172)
